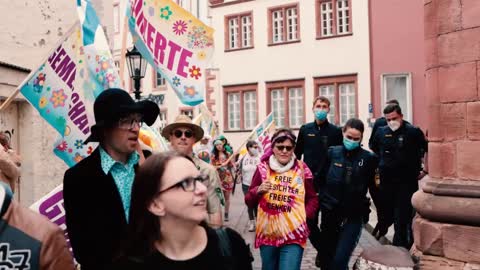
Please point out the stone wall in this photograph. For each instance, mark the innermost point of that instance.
(447, 229)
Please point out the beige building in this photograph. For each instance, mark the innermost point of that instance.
(29, 31)
(278, 55)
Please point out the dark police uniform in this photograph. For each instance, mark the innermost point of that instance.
(313, 142)
(400, 155)
(344, 204)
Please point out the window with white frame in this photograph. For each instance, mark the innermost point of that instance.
(240, 31)
(250, 109)
(287, 103)
(159, 80)
(246, 31)
(326, 17)
(187, 111)
(233, 32)
(347, 102)
(277, 27)
(398, 86)
(233, 111)
(328, 91)
(116, 18)
(284, 24)
(278, 107)
(341, 92)
(295, 105)
(241, 104)
(163, 119)
(292, 23)
(334, 18)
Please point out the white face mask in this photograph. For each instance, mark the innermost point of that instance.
(253, 152)
(394, 125)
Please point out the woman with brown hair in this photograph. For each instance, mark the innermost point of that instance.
(167, 228)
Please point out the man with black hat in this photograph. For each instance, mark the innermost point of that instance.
(97, 190)
(183, 134)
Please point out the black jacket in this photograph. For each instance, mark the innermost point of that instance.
(350, 175)
(380, 122)
(95, 217)
(400, 152)
(313, 142)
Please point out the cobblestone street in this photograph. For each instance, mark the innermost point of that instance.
(239, 221)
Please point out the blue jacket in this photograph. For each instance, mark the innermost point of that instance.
(350, 174)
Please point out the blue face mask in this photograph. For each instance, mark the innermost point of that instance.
(320, 114)
(350, 145)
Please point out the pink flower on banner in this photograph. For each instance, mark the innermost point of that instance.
(179, 27)
(62, 146)
(195, 72)
(58, 98)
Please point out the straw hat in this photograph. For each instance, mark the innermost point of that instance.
(183, 121)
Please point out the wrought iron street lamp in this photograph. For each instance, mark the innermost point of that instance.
(137, 66)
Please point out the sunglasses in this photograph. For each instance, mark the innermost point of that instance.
(284, 147)
(178, 133)
(188, 184)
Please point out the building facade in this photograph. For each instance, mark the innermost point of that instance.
(398, 57)
(278, 55)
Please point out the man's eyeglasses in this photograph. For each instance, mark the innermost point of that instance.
(178, 133)
(130, 122)
(284, 147)
(188, 184)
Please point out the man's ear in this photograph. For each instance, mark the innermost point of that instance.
(157, 207)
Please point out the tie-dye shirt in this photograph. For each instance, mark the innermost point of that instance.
(282, 216)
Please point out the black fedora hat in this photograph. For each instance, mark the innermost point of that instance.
(114, 103)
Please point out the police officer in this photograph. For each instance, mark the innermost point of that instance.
(400, 147)
(343, 201)
(384, 219)
(313, 141)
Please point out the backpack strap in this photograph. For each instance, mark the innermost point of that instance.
(6, 196)
(225, 248)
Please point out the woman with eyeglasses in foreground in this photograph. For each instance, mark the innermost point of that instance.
(282, 188)
(167, 228)
(343, 200)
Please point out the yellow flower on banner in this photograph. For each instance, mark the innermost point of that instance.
(43, 102)
(201, 55)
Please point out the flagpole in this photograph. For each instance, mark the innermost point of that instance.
(250, 135)
(12, 96)
(124, 47)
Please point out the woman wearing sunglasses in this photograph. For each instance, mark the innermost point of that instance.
(167, 229)
(282, 188)
(343, 201)
(221, 160)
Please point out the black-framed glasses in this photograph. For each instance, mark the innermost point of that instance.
(284, 147)
(130, 122)
(178, 133)
(188, 184)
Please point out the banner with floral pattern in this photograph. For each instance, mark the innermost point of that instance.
(175, 42)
